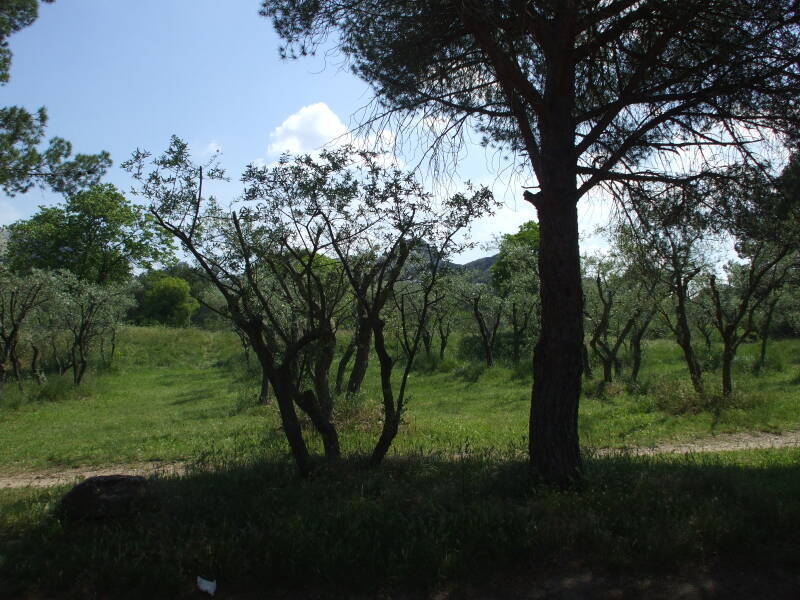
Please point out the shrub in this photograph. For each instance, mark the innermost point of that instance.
(470, 372)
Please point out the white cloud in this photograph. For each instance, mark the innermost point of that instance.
(212, 148)
(307, 130)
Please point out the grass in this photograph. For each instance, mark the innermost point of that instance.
(178, 395)
(412, 525)
(453, 503)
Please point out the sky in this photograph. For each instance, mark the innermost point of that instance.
(118, 75)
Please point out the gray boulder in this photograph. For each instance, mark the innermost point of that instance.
(108, 497)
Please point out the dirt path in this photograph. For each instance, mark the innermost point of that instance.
(52, 477)
(718, 443)
(722, 442)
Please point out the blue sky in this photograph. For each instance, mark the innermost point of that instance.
(120, 74)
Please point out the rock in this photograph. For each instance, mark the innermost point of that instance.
(108, 497)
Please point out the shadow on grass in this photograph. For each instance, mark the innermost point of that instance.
(417, 524)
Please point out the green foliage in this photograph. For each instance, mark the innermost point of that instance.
(519, 253)
(168, 301)
(98, 235)
(14, 16)
(23, 163)
(470, 347)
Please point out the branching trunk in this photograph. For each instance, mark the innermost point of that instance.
(683, 336)
(444, 334)
(343, 362)
(363, 345)
(766, 324)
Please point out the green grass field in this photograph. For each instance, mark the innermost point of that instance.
(182, 395)
(452, 503)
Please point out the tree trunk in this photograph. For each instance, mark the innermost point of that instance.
(263, 395)
(487, 335)
(636, 355)
(343, 361)
(363, 344)
(608, 364)
(326, 349)
(728, 354)
(444, 334)
(558, 355)
(684, 338)
(587, 363)
(291, 426)
(330, 438)
(765, 327)
(36, 365)
(391, 418)
(515, 335)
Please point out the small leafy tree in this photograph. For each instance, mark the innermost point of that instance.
(310, 235)
(88, 313)
(515, 276)
(168, 300)
(96, 234)
(669, 229)
(20, 297)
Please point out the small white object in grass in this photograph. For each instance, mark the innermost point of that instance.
(204, 585)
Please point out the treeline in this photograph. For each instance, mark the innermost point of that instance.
(329, 262)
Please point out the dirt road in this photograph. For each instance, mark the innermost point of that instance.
(718, 443)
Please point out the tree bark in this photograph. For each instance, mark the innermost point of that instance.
(444, 334)
(684, 337)
(558, 355)
(363, 344)
(391, 418)
(343, 361)
(765, 327)
(587, 363)
(727, 364)
(263, 395)
(290, 424)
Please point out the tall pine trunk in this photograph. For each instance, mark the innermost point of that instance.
(558, 355)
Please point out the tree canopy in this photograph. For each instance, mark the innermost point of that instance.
(97, 234)
(24, 163)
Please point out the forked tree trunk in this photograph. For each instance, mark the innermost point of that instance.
(342, 368)
(683, 336)
(291, 426)
(363, 344)
(444, 334)
(558, 355)
(391, 418)
(636, 344)
(764, 333)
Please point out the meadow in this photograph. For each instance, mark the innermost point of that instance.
(450, 512)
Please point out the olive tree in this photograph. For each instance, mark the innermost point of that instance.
(308, 235)
(20, 297)
(88, 313)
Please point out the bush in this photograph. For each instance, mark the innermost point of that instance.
(470, 372)
(57, 388)
(674, 396)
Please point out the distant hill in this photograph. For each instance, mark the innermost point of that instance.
(480, 268)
